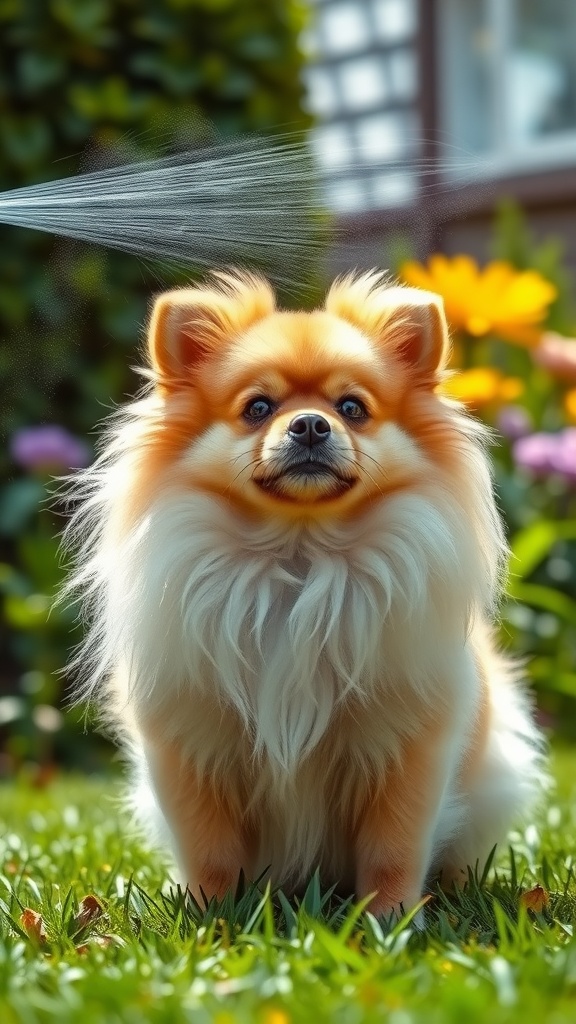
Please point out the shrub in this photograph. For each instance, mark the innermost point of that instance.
(76, 77)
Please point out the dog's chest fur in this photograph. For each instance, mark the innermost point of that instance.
(286, 633)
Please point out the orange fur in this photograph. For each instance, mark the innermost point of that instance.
(212, 855)
(392, 857)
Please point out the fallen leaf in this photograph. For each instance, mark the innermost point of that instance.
(536, 899)
(33, 925)
(90, 910)
(43, 775)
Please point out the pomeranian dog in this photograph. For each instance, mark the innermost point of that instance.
(291, 556)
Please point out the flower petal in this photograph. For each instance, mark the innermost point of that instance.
(475, 387)
(416, 275)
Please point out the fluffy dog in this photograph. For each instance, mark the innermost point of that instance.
(292, 556)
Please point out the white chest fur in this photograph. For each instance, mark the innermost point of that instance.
(283, 624)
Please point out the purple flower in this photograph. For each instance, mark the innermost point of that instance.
(48, 447)
(544, 454)
(534, 453)
(564, 456)
(514, 422)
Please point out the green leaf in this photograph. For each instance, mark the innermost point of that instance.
(40, 559)
(12, 582)
(531, 545)
(85, 18)
(27, 140)
(547, 676)
(337, 949)
(19, 501)
(27, 612)
(544, 598)
(39, 70)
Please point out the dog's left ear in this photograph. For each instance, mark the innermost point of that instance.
(415, 328)
(408, 322)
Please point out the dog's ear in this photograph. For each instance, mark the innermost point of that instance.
(190, 324)
(406, 321)
(416, 330)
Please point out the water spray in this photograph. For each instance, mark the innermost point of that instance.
(246, 202)
(249, 202)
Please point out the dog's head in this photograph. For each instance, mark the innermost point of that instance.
(301, 414)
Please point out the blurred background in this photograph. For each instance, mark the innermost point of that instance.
(444, 138)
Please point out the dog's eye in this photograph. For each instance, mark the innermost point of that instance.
(352, 408)
(258, 409)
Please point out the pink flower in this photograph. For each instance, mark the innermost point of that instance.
(557, 354)
(48, 447)
(546, 454)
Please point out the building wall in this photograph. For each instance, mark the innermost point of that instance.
(459, 222)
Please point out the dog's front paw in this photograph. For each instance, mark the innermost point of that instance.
(213, 881)
(394, 892)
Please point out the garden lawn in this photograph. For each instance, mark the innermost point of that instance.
(92, 932)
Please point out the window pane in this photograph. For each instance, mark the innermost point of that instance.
(508, 79)
(345, 26)
(466, 71)
(348, 195)
(362, 83)
(402, 73)
(332, 146)
(394, 19)
(322, 95)
(383, 137)
(542, 69)
(393, 189)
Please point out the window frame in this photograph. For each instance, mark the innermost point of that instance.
(438, 201)
(545, 153)
(367, 175)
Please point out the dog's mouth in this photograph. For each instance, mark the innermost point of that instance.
(306, 476)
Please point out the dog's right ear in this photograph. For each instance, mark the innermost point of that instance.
(189, 324)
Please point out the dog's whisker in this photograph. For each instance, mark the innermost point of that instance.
(362, 469)
(378, 465)
(254, 462)
(248, 455)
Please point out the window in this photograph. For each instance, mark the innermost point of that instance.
(362, 85)
(507, 75)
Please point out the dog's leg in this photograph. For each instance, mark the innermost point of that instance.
(502, 778)
(396, 831)
(212, 839)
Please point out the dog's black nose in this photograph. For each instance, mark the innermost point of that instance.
(309, 428)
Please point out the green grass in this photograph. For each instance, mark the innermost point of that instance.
(145, 955)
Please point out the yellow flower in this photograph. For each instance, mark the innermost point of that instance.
(275, 1016)
(497, 300)
(570, 404)
(482, 385)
